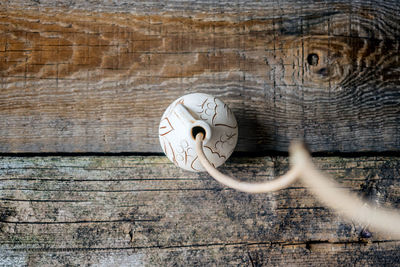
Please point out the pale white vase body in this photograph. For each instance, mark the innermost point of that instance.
(192, 113)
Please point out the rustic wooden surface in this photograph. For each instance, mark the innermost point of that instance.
(95, 76)
(138, 211)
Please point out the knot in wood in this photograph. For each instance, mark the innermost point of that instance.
(328, 60)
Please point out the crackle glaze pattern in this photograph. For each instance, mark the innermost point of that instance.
(179, 146)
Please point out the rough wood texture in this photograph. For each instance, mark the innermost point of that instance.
(138, 211)
(95, 76)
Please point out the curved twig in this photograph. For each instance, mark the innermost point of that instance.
(269, 186)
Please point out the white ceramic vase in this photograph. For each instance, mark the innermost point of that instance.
(194, 113)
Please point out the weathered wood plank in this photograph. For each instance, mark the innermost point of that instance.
(299, 254)
(143, 210)
(97, 77)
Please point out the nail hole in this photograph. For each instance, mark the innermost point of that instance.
(312, 59)
(196, 130)
(323, 71)
(365, 233)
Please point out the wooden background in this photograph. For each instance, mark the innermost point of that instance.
(83, 85)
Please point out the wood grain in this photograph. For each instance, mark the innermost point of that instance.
(144, 211)
(85, 77)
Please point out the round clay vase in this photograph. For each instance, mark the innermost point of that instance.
(189, 115)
